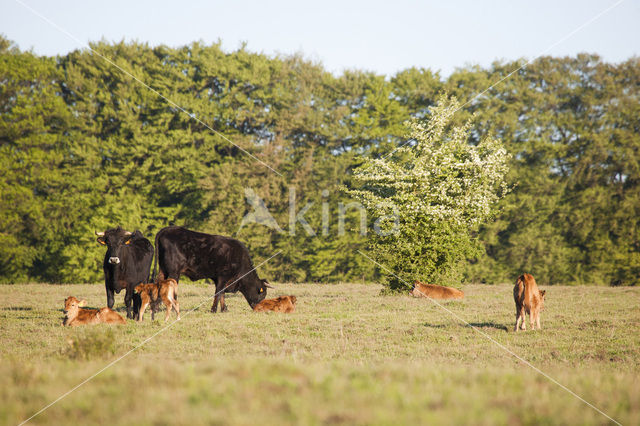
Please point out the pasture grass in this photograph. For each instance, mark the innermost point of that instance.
(348, 355)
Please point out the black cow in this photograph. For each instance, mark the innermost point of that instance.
(126, 264)
(197, 255)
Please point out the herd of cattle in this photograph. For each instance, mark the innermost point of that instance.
(227, 263)
(127, 263)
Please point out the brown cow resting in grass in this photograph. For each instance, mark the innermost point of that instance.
(285, 304)
(75, 315)
(435, 291)
(165, 291)
(529, 300)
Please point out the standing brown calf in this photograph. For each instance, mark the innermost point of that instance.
(165, 291)
(435, 291)
(285, 304)
(75, 315)
(529, 300)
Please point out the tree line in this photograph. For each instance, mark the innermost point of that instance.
(84, 147)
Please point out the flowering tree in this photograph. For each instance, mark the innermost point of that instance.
(431, 197)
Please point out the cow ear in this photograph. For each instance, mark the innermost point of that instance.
(82, 302)
(101, 240)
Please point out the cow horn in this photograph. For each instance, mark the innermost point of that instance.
(127, 233)
(99, 234)
(266, 284)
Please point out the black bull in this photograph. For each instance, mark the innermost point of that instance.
(126, 264)
(197, 255)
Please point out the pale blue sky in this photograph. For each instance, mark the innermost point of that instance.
(384, 37)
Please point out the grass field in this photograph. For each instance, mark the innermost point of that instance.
(347, 356)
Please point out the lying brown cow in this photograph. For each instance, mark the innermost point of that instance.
(435, 291)
(529, 300)
(165, 291)
(285, 304)
(75, 315)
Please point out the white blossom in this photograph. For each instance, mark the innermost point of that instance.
(443, 178)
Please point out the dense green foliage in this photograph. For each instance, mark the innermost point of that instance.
(83, 147)
(431, 197)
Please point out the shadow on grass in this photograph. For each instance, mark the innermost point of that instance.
(473, 324)
(17, 308)
(434, 325)
(489, 325)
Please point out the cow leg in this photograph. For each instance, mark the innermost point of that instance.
(142, 309)
(538, 319)
(221, 285)
(173, 303)
(517, 321)
(216, 297)
(110, 297)
(214, 307)
(137, 302)
(223, 305)
(127, 303)
(168, 314)
(176, 307)
(128, 297)
(532, 320)
(523, 319)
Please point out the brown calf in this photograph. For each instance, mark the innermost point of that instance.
(435, 291)
(285, 304)
(165, 291)
(529, 300)
(75, 315)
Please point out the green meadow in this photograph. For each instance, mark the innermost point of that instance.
(348, 355)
